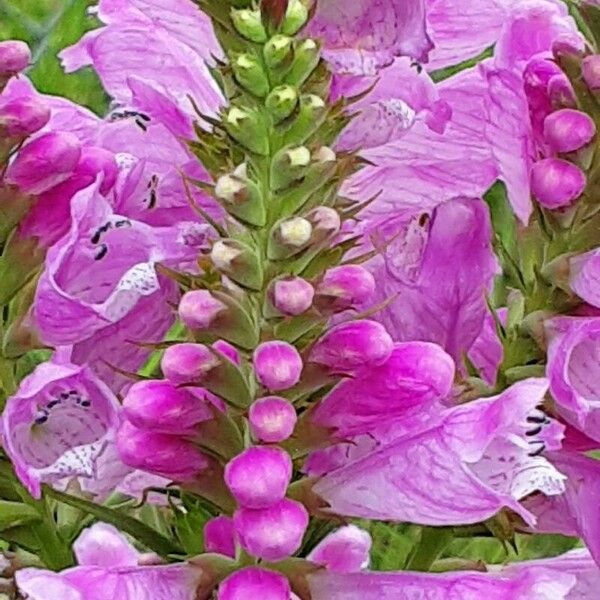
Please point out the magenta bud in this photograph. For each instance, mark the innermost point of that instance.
(160, 406)
(291, 295)
(219, 536)
(560, 92)
(567, 44)
(198, 309)
(567, 130)
(277, 365)
(44, 162)
(352, 345)
(273, 533)
(15, 56)
(259, 476)
(345, 287)
(188, 363)
(95, 161)
(556, 183)
(343, 551)
(228, 351)
(20, 117)
(590, 68)
(253, 583)
(162, 454)
(272, 419)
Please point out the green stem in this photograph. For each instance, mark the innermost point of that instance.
(432, 543)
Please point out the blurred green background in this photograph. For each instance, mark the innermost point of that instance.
(49, 26)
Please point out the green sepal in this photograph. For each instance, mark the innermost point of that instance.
(249, 207)
(16, 514)
(247, 127)
(311, 115)
(14, 205)
(278, 52)
(227, 381)
(281, 102)
(246, 268)
(220, 435)
(307, 55)
(288, 166)
(248, 23)
(19, 263)
(250, 75)
(292, 329)
(277, 249)
(295, 17)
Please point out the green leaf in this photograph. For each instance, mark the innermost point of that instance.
(16, 514)
(147, 536)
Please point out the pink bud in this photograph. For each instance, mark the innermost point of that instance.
(277, 365)
(560, 92)
(353, 345)
(568, 130)
(590, 67)
(166, 455)
(259, 476)
(253, 583)
(273, 533)
(325, 222)
(198, 309)
(95, 161)
(556, 183)
(188, 363)
(345, 287)
(20, 117)
(44, 162)
(15, 56)
(568, 44)
(343, 551)
(219, 536)
(291, 295)
(160, 406)
(227, 350)
(272, 419)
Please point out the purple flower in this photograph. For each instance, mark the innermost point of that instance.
(352, 345)
(272, 419)
(556, 183)
(584, 270)
(15, 56)
(162, 454)
(277, 365)
(252, 582)
(273, 533)
(198, 309)
(354, 42)
(58, 424)
(344, 287)
(568, 130)
(259, 476)
(487, 351)
(343, 551)
(188, 363)
(471, 462)
(291, 295)
(219, 536)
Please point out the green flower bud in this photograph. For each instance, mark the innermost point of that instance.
(278, 51)
(248, 23)
(246, 127)
(289, 237)
(242, 197)
(288, 166)
(295, 18)
(306, 59)
(311, 116)
(281, 102)
(250, 75)
(239, 262)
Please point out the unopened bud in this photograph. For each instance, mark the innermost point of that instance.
(325, 222)
(281, 102)
(590, 68)
(20, 117)
(306, 58)
(253, 582)
(311, 115)
(567, 44)
(277, 365)
(324, 154)
(198, 309)
(188, 363)
(295, 232)
(568, 130)
(289, 166)
(248, 23)
(560, 92)
(291, 295)
(230, 188)
(242, 196)
(250, 75)
(272, 419)
(295, 18)
(556, 183)
(246, 127)
(219, 536)
(344, 287)
(15, 56)
(239, 262)
(278, 51)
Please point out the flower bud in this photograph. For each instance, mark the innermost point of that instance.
(590, 68)
(219, 536)
(231, 189)
(250, 75)
(295, 232)
(166, 455)
(567, 44)
(325, 221)
(306, 59)
(199, 309)
(247, 128)
(160, 406)
(243, 198)
(353, 345)
(556, 183)
(272, 419)
(568, 130)
(344, 287)
(254, 583)
(20, 117)
(15, 56)
(188, 363)
(295, 18)
(248, 23)
(239, 262)
(343, 551)
(273, 533)
(291, 295)
(289, 166)
(278, 51)
(281, 102)
(259, 476)
(227, 350)
(310, 117)
(277, 365)
(95, 161)
(324, 154)
(44, 162)
(560, 92)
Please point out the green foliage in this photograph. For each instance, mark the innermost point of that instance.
(49, 26)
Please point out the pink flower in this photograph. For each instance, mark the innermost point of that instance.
(254, 582)
(272, 419)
